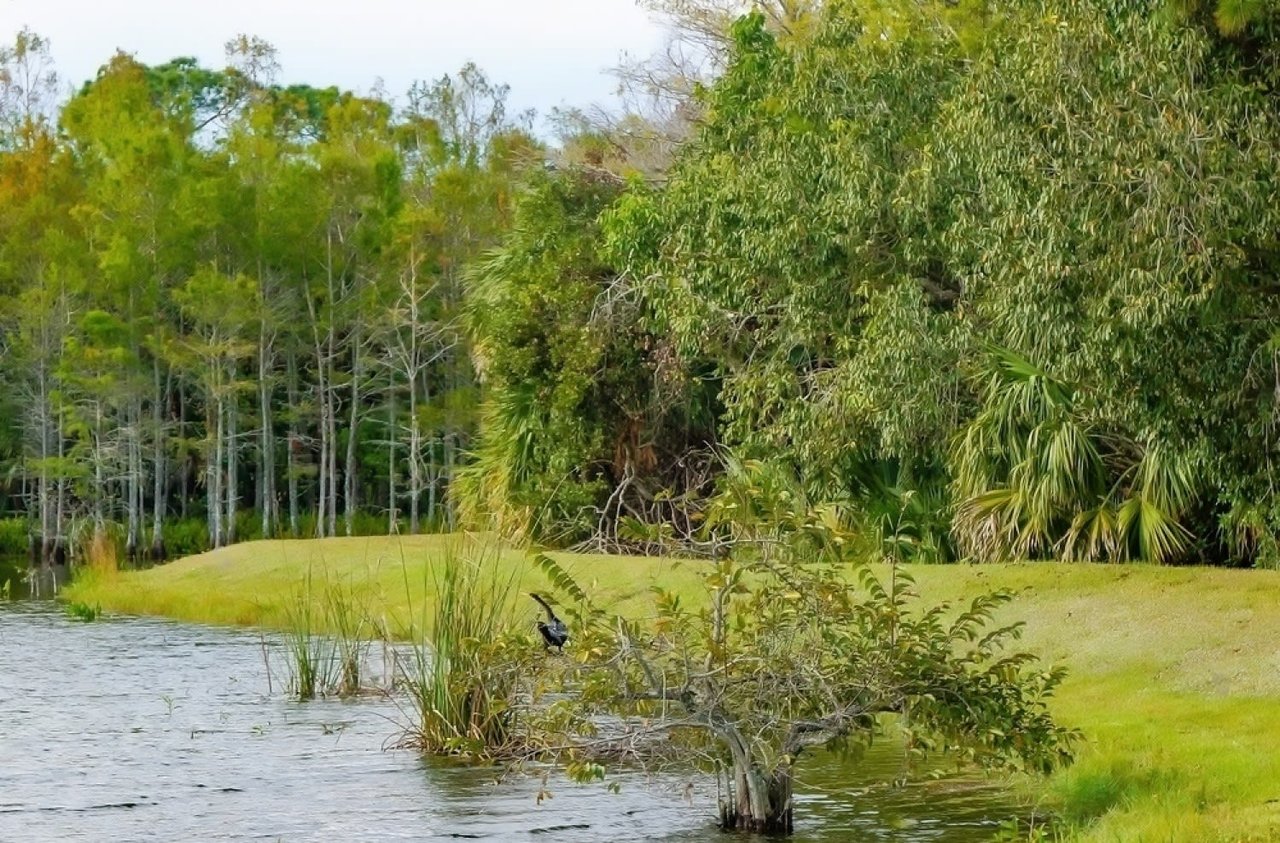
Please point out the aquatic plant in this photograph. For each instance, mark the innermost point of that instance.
(327, 639)
(348, 619)
(310, 653)
(84, 612)
(464, 666)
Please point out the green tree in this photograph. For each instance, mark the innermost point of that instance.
(790, 647)
(586, 416)
(868, 210)
(38, 256)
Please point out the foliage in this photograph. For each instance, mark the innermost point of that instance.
(1035, 478)
(286, 297)
(83, 612)
(572, 410)
(198, 268)
(788, 649)
(467, 661)
(869, 211)
(14, 536)
(186, 537)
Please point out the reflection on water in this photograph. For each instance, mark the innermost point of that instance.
(142, 729)
(13, 577)
(18, 580)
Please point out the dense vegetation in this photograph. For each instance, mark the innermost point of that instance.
(999, 279)
(1005, 274)
(217, 288)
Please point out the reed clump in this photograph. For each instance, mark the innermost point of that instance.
(84, 612)
(327, 639)
(464, 667)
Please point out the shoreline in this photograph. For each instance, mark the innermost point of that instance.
(1174, 673)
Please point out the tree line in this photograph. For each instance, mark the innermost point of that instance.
(229, 300)
(996, 280)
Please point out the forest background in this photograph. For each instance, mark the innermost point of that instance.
(997, 280)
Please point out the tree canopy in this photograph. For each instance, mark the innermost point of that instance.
(1009, 269)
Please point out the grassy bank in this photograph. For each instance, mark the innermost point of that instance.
(258, 583)
(1175, 672)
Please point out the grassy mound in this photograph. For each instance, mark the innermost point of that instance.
(1175, 672)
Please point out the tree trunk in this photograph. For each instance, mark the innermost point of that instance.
(392, 520)
(215, 502)
(332, 436)
(290, 468)
(349, 486)
(133, 485)
(266, 442)
(185, 471)
(233, 478)
(759, 802)
(323, 395)
(99, 488)
(59, 515)
(213, 474)
(331, 432)
(157, 462)
(449, 446)
(43, 490)
(415, 457)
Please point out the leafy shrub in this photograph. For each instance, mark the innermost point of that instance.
(13, 536)
(186, 537)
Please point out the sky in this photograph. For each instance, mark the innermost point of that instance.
(551, 52)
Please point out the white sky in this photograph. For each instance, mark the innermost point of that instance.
(551, 52)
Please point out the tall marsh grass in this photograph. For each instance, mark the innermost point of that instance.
(327, 640)
(14, 536)
(102, 550)
(465, 664)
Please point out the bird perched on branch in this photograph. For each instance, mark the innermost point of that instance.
(553, 630)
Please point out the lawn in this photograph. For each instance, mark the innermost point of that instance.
(1174, 672)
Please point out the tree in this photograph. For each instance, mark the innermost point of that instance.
(223, 311)
(776, 256)
(1232, 18)
(586, 423)
(359, 177)
(462, 156)
(867, 211)
(28, 88)
(790, 647)
(38, 257)
(1136, 267)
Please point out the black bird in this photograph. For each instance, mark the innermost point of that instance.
(554, 632)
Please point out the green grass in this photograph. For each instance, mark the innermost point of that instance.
(1175, 672)
(83, 612)
(256, 583)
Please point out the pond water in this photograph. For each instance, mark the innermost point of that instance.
(144, 729)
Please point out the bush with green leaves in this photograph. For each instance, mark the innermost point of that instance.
(791, 646)
(14, 536)
(872, 216)
(575, 403)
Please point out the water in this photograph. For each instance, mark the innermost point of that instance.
(141, 729)
(18, 580)
(13, 577)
